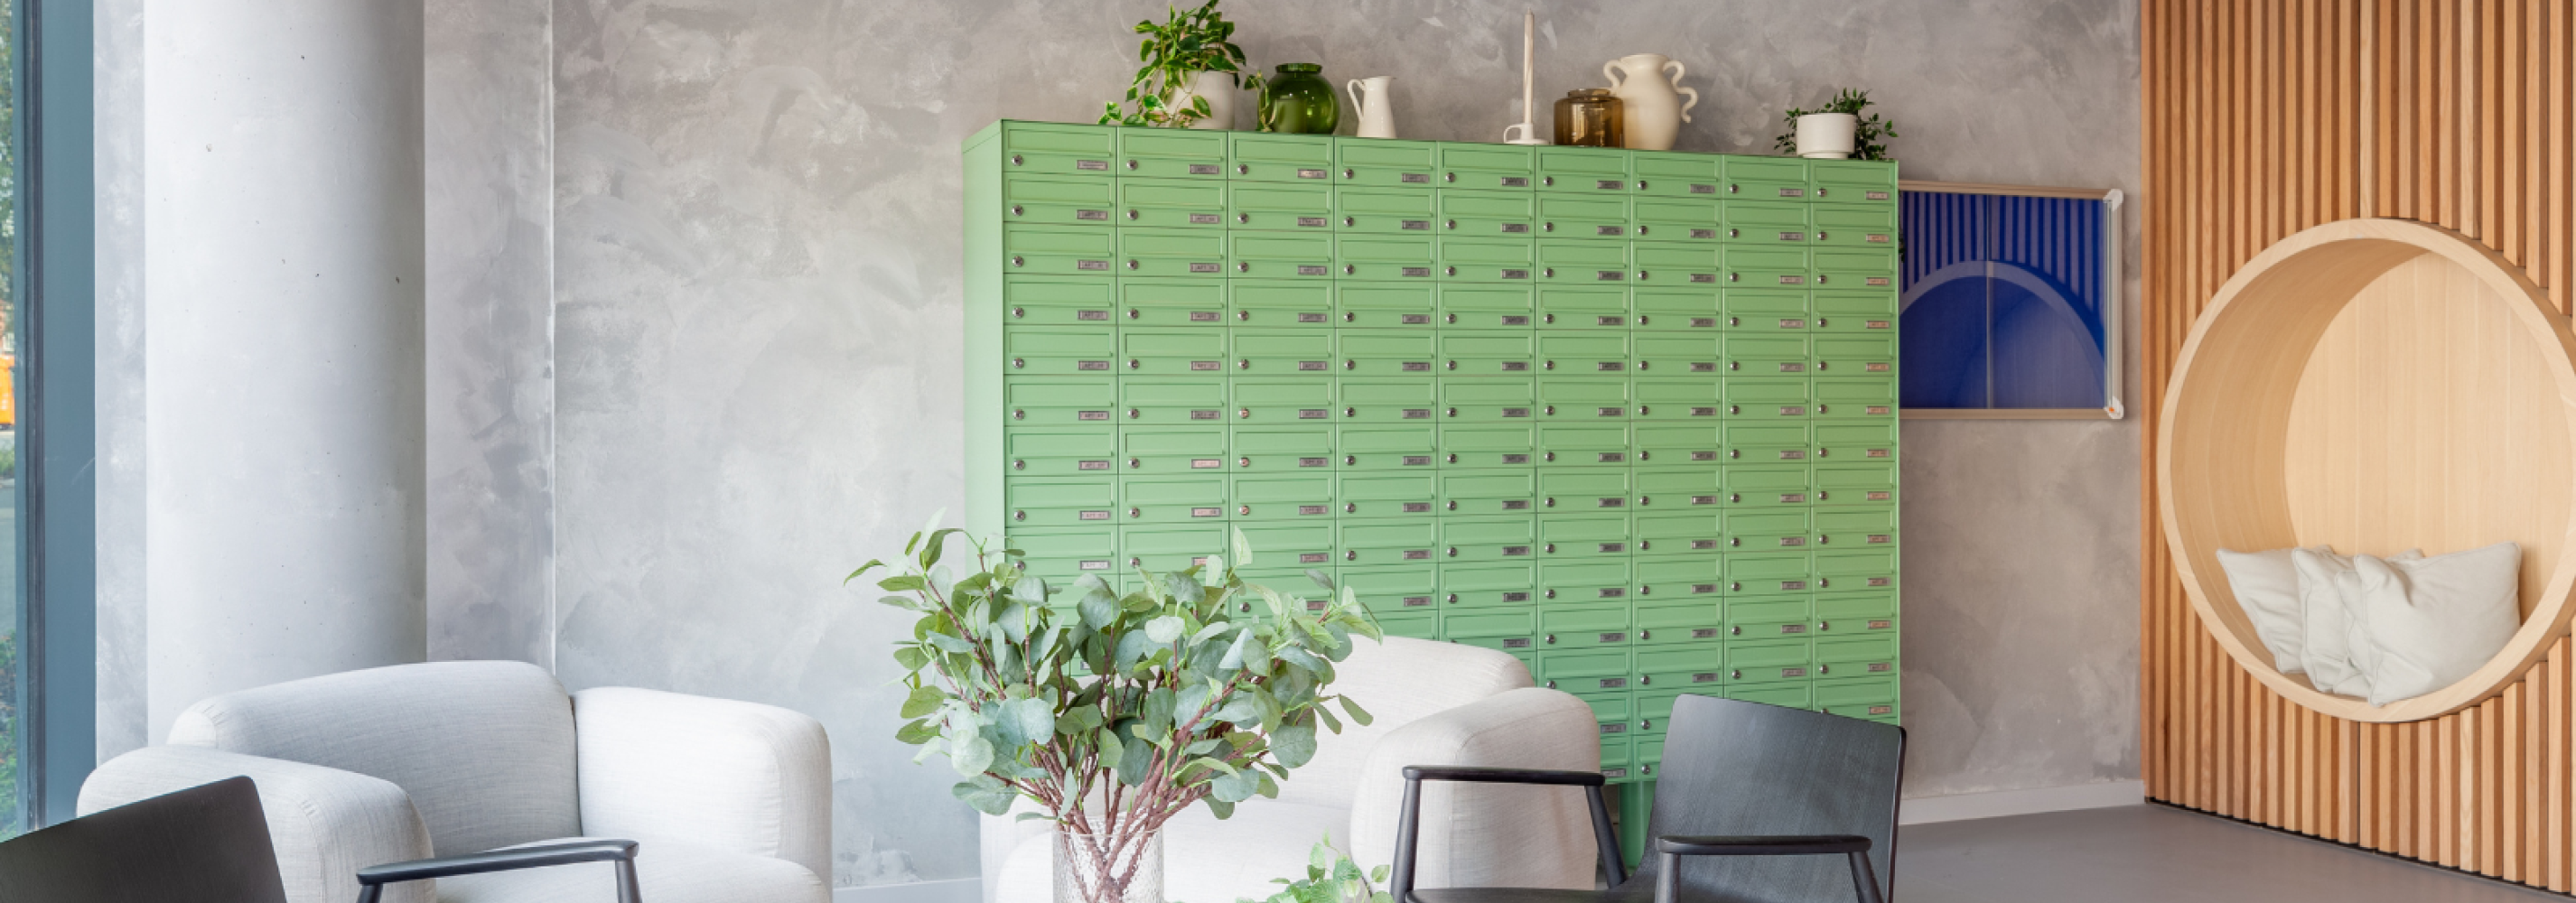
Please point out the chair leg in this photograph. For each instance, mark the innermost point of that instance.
(1668, 869)
(367, 893)
(1865, 879)
(627, 891)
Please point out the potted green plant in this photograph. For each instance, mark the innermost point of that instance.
(1837, 131)
(1113, 713)
(1190, 74)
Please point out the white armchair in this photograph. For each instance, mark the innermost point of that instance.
(730, 800)
(1434, 704)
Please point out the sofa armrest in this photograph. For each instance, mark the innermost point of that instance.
(736, 776)
(1486, 834)
(326, 824)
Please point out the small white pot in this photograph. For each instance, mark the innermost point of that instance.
(1219, 91)
(1827, 136)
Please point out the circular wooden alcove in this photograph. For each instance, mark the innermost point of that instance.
(2374, 385)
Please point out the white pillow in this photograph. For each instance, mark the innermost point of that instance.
(2267, 587)
(2326, 625)
(2421, 625)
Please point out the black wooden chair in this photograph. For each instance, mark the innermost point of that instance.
(1750, 797)
(209, 844)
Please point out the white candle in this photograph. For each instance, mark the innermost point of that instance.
(1529, 47)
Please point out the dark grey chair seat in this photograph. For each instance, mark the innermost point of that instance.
(1756, 804)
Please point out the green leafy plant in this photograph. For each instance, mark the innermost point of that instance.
(1113, 712)
(1331, 877)
(1192, 41)
(1865, 137)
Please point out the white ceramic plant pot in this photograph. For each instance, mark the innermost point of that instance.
(1827, 136)
(1219, 91)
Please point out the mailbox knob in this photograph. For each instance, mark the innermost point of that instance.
(1822, 539)
(1641, 319)
(1731, 321)
(1549, 272)
(1245, 412)
(1551, 547)
(1732, 453)
(1641, 275)
(1349, 460)
(1732, 409)
(1730, 189)
(1244, 267)
(1550, 365)
(1453, 224)
(1348, 174)
(1135, 562)
(1547, 318)
(1243, 364)
(1348, 269)
(1824, 625)
(1246, 509)
(1551, 639)
(1015, 160)
(1135, 512)
(1453, 459)
(1735, 675)
(1453, 505)
(1737, 630)
(1547, 180)
(1453, 412)
(1547, 227)
(1644, 455)
(1645, 544)
(1645, 591)
(1242, 170)
(1731, 277)
(1820, 236)
(1131, 165)
(1451, 271)
(1350, 364)
(1347, 508)
(1131, 263)
(1453, 317)
(1732, 365)
(1551, 501)
(1551, 685)
(1646, 725)
(1641, 365)
(1453, 553)
(1822, 582)
(1644, 500)
(1132, 413)
(1820, 366)
(1017, 363)
(1131, 213)
(1453, 598)
(1350, 318)
(1551, 409)
(1641, 230)
(1019, 415)
(1820, 494)
(1350, 412)
(1017, 260)
(1734, 540)
(1732, 587)
(1018, 312)
(1133, 463)
(1247, 606)
(1019, 465)
(1824, 669)
(1821, 452)
(1352, 555)
(1016, 211)
(1243, 462)
(1551, 456)
(1820, 191)
(1448, 177)
(1734, 497)
(1019, 515)
(1551, 594)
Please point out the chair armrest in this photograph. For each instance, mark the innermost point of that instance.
(1484, 833)
(622, 852)
(737, 776)
(1503, 775)
(325, 823)
(1851, 846)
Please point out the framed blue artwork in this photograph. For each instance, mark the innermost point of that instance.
(2011, 301)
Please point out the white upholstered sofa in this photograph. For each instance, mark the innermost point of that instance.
(1434, 704)
(730, 801)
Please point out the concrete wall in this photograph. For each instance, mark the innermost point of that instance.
(261, 362)
(757, 325)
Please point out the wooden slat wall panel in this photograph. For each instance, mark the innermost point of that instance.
(2265, 117)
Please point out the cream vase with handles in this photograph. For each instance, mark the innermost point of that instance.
(1377, 113)
(1654, 109)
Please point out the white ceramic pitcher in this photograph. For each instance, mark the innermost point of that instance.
(1377, 113)
(1653, 108)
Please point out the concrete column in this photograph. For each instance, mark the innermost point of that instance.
(282, 364)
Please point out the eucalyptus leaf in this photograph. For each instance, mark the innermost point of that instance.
(1357, 714)
(1164, 629)
(1293, 744)
(1321, 579)
(1234, 788)
(922, 701)
(987, 794)
(1242, 547)
(972, 757)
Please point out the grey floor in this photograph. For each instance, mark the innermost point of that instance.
(2154, 854)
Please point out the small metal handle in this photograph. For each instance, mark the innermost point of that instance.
(1734, 497)
(1453, 553)
(1350, 412)
(1731, 277)
(1243, 462)
(1453, 505)
(1349, 174)
(1551, 502)
(1551, 639)
(1822, 539)
(1641, 184)
(1352, 555)
(1016, 210)
(1820, 191)
(1551, 685)
(1348, 269)
(1015, 160)
(1551, 547)
(1133, 463)
(1734, 453)
(1019, 515)
(1243, 315)
(1350, 318)
(1734, 587)
(1453, 365)
(1018, 363)
(1730, 189)
(1131, 213)
(1645, 500)
(1453, 597)
(1347, 508)
(1018, 261)
(1019, 312)
(1244, 509)
(1450, 271)
(1641, 230)
(1131, 165)
(1731, 233)
(1132, 414)
(1646, 724)
(1824, 625)
(1349, 221)
(1547, 181)
(1453, 224)
(1824, 669)
(1734, 540)
(1133, 313)
(1549, 272)
(1243, 218)
(1135, 512)
(1551, 594)
(1244, 413)
(1019, 464)
(1731, 321)
(1820, 236)
(1732, 365)
(1820, 278)
(1735, 675)
(1547, 227)
(1244, 364)
(1350, 460)
(1737, 630)
(1242, 170)
(1453, 412)
(1641, 275)
(1453, 317)
(1449, 177)
(1131, 263)
(1820, 366)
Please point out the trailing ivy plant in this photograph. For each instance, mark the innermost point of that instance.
(1192, 41)
(1865, 136)
(1331, 877)
(1113, 712)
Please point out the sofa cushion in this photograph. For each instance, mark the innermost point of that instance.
(1204, 860)
(484, 749)
(665, 872)
(1397, 682)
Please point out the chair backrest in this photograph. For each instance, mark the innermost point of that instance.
(1396, 682)
(1743, 768)
(484, 749)
(207, 844)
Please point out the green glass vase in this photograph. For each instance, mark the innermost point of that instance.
(1299, 101)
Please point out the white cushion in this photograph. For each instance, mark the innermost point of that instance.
(1397, 682)
(1204, 860)
(2325, 650)
(2267, 587)
(665, 872)
(2421, 625)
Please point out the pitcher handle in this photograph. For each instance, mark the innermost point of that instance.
(1357, 106)
(1610, 71)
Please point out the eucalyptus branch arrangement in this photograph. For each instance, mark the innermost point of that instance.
(1865, 135)
(1115, 712)
(1174, 53)
(1331, 877)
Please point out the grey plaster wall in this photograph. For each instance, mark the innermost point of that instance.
(756, 276)
(488, 124)
(124, 700)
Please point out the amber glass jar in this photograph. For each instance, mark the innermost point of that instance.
(1589, 117)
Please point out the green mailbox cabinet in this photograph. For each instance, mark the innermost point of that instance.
(1626, 415)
